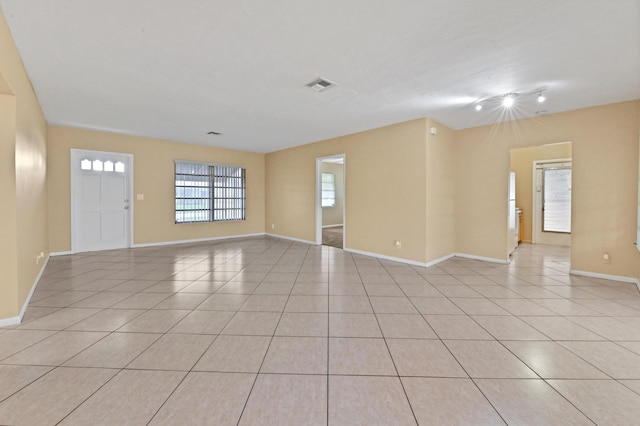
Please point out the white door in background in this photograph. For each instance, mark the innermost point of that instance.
(100, 193)
(552, 203)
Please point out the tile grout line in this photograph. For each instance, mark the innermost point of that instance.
(244, 407)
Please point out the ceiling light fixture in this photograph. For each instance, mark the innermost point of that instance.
(508, 100)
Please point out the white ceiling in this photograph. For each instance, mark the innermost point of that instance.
(177, 69)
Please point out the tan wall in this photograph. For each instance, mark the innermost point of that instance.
(385, 189)
(23, 154)
(8, 220)
(153, 165)
(605, 167)
(333, 215)
(440, 170)
(522, 164)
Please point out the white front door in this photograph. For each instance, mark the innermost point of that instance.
(552, 203)
(100, 188)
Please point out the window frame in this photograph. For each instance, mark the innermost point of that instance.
(219, 195)
(549, 204)
(331, 190)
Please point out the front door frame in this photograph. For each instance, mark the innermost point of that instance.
(75, 158)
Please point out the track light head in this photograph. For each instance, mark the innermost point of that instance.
(508, 100)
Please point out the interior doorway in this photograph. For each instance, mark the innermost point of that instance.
(330, 200)
(101, 186)
(528, 164)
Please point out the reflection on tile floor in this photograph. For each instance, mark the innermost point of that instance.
(268, 331)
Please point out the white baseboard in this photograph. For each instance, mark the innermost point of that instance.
(439, 260)
(620, 278)
(10, 321)
(18, 319)
(332, 226)
(382, 256)
(298, 240)
(60, 253)
(484, 259)
(197, 240)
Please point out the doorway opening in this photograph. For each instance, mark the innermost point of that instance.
(543, 193)
(101, 187)
(330, 201)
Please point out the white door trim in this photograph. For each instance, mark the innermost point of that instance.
(75, 157)
(319, 197)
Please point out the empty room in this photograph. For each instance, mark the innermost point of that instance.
(293, 213)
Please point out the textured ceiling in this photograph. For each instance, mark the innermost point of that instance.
(177, 69)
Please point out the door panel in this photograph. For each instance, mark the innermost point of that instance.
(90, 227)
(552, 204)
(100, 200)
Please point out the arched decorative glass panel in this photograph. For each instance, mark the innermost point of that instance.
(85, 164)
(120, 167)
(97, 165)
(108, 166)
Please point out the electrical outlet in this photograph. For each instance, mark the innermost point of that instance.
(606, 258)
(398, 244)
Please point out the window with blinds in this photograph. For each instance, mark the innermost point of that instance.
(328, 190)
(209, 192)
(556, 213)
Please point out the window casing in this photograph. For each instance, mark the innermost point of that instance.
(209, 192)
(328, 190)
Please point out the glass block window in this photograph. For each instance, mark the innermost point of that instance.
(209, 192)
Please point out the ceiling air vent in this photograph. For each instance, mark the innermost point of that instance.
(320, 84)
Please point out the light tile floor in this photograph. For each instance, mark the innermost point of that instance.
(266, 331)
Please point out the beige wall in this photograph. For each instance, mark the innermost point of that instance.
(8, 213)
(522, 164)
(605, 166)
(24, 226)
(385, 190)
(440, 191)
(153, 165)
(333, 215)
